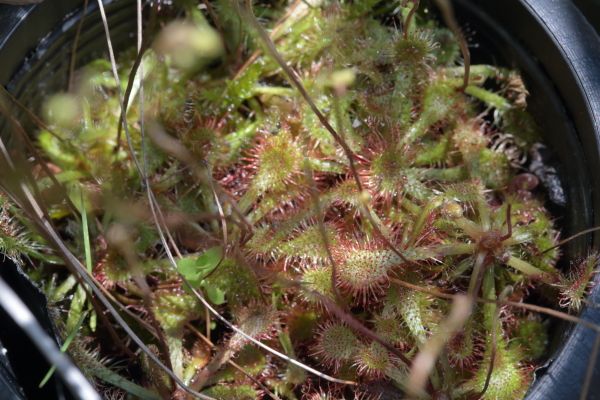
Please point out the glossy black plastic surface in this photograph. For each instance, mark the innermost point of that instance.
(558, 50)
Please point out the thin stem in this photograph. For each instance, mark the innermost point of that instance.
(575, 236)
(509, 226)
(46, 228)
(491, 294)
(314, 192)
(206, 340)
(277, 29)
(410, 17)
(132, 74)
(448, 14)
(525, 306)
(248, 14)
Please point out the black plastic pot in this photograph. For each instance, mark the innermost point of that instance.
(550, 41)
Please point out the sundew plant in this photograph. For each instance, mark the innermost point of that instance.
(295, 200)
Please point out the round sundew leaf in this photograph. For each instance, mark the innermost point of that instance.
(361, 271)
(336, 344)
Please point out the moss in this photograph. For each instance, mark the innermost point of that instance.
(492, 168)
(531, 338)
(233, 392)
(173, 309)
(237, 282)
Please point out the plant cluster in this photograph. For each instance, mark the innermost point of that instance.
(332, 250)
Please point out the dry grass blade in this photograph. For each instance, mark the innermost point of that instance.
(22, 196)
(262, 345)
(123, 103)
(118, 237)
(113, 63)
(132, 74)
(172, 146)
(37, 216)
(425, 360)
(247, 13)
(19, 312)
(279, 230)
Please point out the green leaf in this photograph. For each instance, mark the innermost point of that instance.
(64, 347)
(214, 294)
(86, 234)
(196, 268)
(76, 309)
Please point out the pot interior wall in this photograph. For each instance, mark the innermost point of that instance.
(558, 54)
(492, 43)
(44, 70)
(37, 57)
